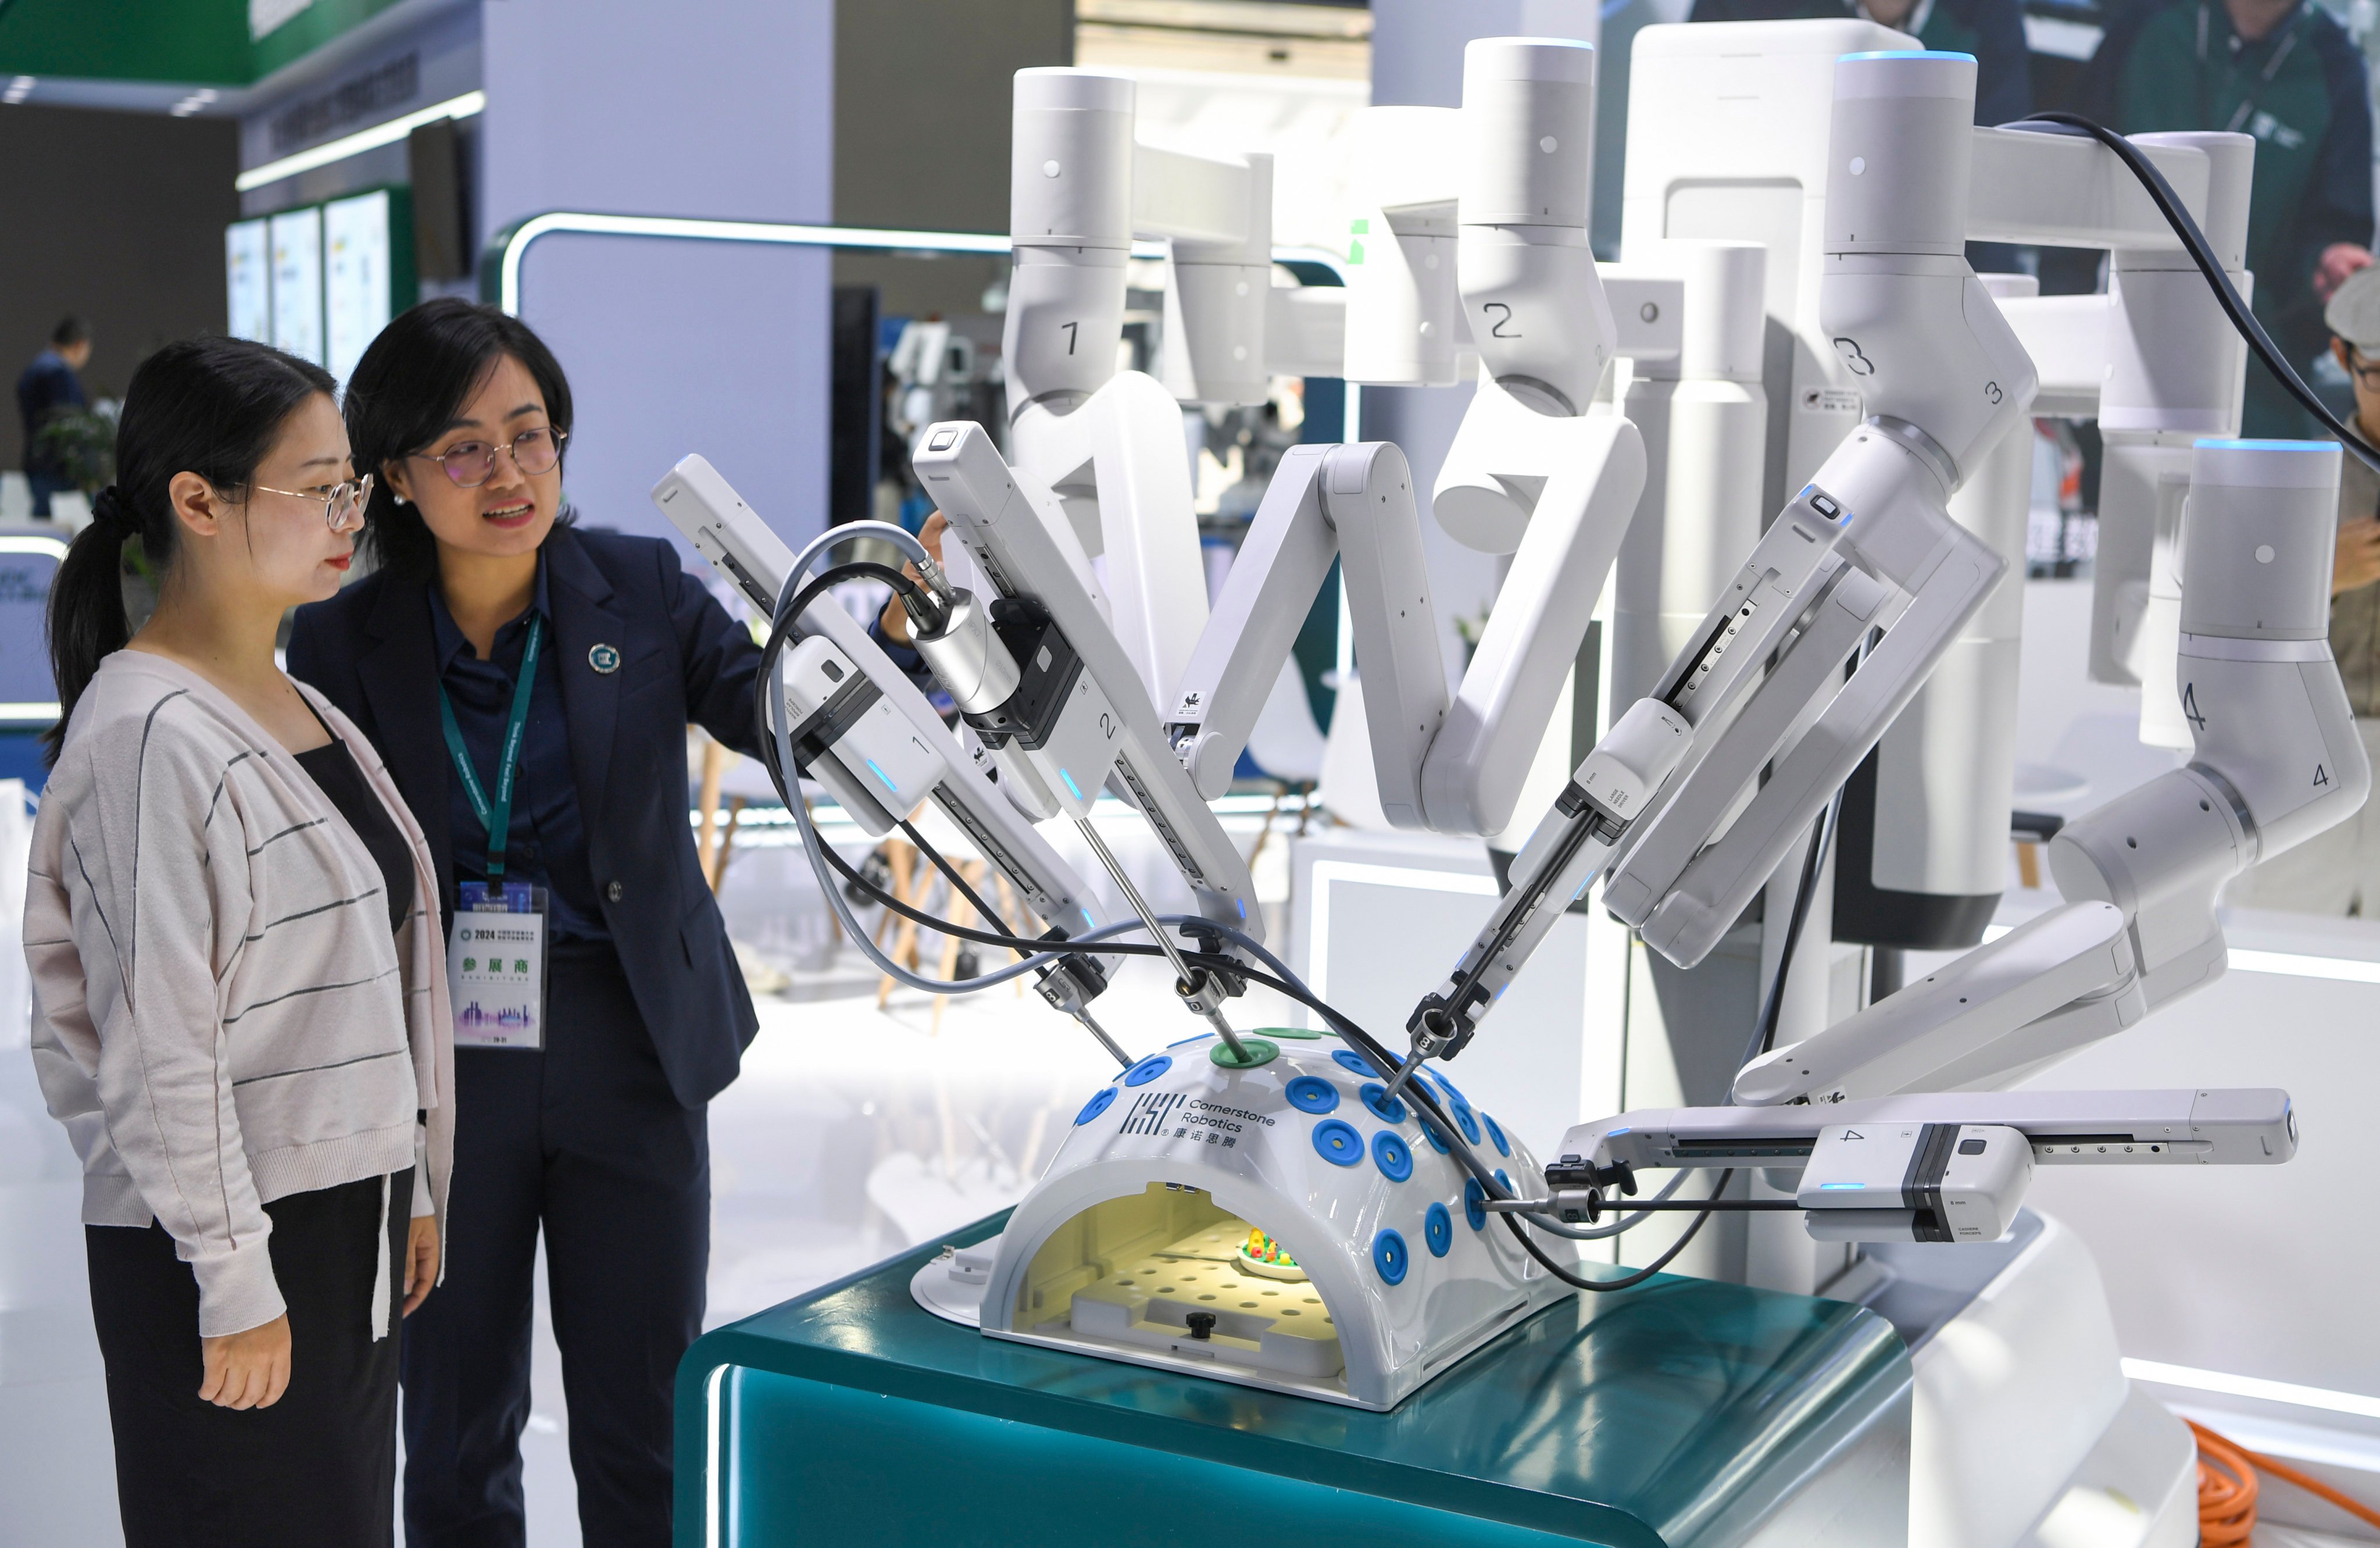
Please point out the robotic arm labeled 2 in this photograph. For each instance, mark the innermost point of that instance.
(1866, 546)
(1531, 475)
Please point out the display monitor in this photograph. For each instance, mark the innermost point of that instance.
(248, 268)
(357, 288)
(298, 282)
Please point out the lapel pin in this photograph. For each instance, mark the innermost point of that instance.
(603, 659)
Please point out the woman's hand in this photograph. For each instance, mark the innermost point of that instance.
(247, 1370)
(2357, 562)
(894, 623)
(421, 1260)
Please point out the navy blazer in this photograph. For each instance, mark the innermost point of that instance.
(371, 651)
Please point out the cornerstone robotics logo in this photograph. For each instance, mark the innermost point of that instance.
(1149, 1112)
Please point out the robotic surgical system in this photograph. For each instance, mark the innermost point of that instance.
(1340, 1201)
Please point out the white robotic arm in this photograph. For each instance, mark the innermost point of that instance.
(1531, 473)
(873, 739)
(2278, 762)
(1043, 681)
(1867, 546)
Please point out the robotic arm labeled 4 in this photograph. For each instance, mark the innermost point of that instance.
(2278, 761)
(1866, 546)
(1531, 473)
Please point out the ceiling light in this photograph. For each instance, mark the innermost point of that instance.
(390, 133)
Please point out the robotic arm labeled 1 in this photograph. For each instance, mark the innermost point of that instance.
(1866, 546)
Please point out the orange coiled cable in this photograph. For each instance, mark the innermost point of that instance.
(2227, 1490)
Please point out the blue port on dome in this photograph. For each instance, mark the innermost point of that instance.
(1385, 1108)
(1505, 1182)
(1390, 1258)
(1503, 1147)
(1436, 1140)
(1311, 1093)
(1393, 1156)
(1336, 1142)
(1438, 1230)
(1466, 1122)
(1348, 1059)
(1149, 1069)
(1474, 1203)
(1100, 1102)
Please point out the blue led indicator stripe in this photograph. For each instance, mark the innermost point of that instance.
(1829, 1187)
(1907, 54)
(882, 775)
(1088, 922)
(1073, 788)
(2214, 445)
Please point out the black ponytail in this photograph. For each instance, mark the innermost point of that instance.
(211, 407)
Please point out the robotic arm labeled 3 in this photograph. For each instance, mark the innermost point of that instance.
(1867, 546)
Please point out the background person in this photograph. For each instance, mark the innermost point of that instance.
(488, 603)
(2342, 874)
(2286, 72)
(50, 383)
(233, 970)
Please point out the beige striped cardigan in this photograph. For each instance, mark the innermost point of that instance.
(221, 1016)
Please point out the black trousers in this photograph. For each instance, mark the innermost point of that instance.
(320, 1465)
(584, 1139)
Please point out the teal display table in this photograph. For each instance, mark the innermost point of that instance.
(1685, 1414)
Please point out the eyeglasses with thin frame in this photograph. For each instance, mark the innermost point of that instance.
(469, 464)
(2367, 371)
(342, 504)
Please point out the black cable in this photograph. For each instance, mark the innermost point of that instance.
(1630, 1281)
(1432, 1115)
(2202, 253)
(791, 606)
(1763, 1030)
(935, 857)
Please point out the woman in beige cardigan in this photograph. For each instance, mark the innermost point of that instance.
(240, 1001)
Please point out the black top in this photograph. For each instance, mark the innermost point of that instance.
(333, 767)
(547, 844)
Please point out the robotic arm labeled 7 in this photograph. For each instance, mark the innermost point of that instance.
(1530, 474)
(1866, 548)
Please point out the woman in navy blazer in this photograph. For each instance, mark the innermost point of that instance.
(598, 1135)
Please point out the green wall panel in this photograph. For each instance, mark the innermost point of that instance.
(197, 41)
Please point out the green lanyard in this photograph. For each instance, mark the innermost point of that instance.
(497, 818)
